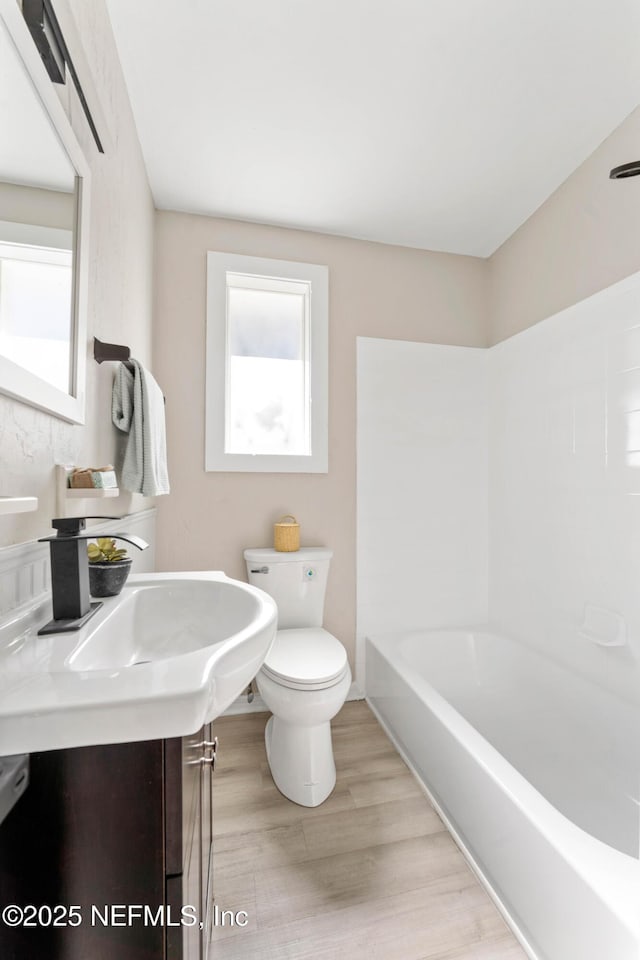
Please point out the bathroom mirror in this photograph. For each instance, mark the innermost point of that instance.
(44, 184)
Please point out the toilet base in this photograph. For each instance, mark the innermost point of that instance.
(301, 760)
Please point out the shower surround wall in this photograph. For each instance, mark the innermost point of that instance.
(554, 478)
(564, 480)
(422, 487)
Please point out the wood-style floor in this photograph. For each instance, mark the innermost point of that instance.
(371, 873)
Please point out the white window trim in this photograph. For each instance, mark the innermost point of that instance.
(218, 265)
(34, 235)
(51, 256)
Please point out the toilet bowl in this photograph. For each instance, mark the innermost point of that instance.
(305, 678)
(304, 690)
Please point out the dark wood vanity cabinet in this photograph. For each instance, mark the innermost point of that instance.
(123, 833)
(189, 846)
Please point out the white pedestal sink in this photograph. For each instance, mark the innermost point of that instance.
(160, 660)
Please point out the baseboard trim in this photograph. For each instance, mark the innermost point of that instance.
(257, 705)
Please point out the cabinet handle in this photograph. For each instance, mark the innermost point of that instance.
(209, 761)
(201, 761)
(206, 743)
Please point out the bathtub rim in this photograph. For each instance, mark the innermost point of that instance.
(590, 857)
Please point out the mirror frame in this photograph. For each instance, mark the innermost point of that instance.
(15, 381)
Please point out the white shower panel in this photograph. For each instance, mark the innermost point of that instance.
(564, 486)
(422, 485)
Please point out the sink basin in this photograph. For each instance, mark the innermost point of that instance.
(157, 621)
(167, 655)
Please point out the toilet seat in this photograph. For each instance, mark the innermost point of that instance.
(307, 658)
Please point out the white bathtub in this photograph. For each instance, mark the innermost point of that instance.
(535, 771)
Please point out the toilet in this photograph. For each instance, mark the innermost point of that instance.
(305, 678)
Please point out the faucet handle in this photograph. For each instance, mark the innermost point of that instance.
(71, 526)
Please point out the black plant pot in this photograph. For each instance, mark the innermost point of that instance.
(107, 578)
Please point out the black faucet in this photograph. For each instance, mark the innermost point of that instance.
(72, 606)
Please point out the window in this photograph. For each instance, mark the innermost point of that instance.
(267, 359)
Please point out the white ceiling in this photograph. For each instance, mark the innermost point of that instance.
(440, 124)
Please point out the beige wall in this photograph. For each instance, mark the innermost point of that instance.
(376, 291)
(585, 237)
(120, 298)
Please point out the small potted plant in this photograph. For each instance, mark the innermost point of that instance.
(109, 567)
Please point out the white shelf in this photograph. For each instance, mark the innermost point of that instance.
(66, 494)
(18, 504)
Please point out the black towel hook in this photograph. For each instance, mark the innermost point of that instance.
(111, 351)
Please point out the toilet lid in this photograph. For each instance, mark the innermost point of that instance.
(306, 655)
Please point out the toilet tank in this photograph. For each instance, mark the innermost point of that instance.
(297, 582)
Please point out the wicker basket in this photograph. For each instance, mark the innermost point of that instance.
(286, 534)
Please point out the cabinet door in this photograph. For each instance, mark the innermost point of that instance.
(188, 841)
(206, 835)
(88, 831)
(192, 776)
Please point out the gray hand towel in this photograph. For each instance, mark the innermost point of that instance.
(137, 408)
